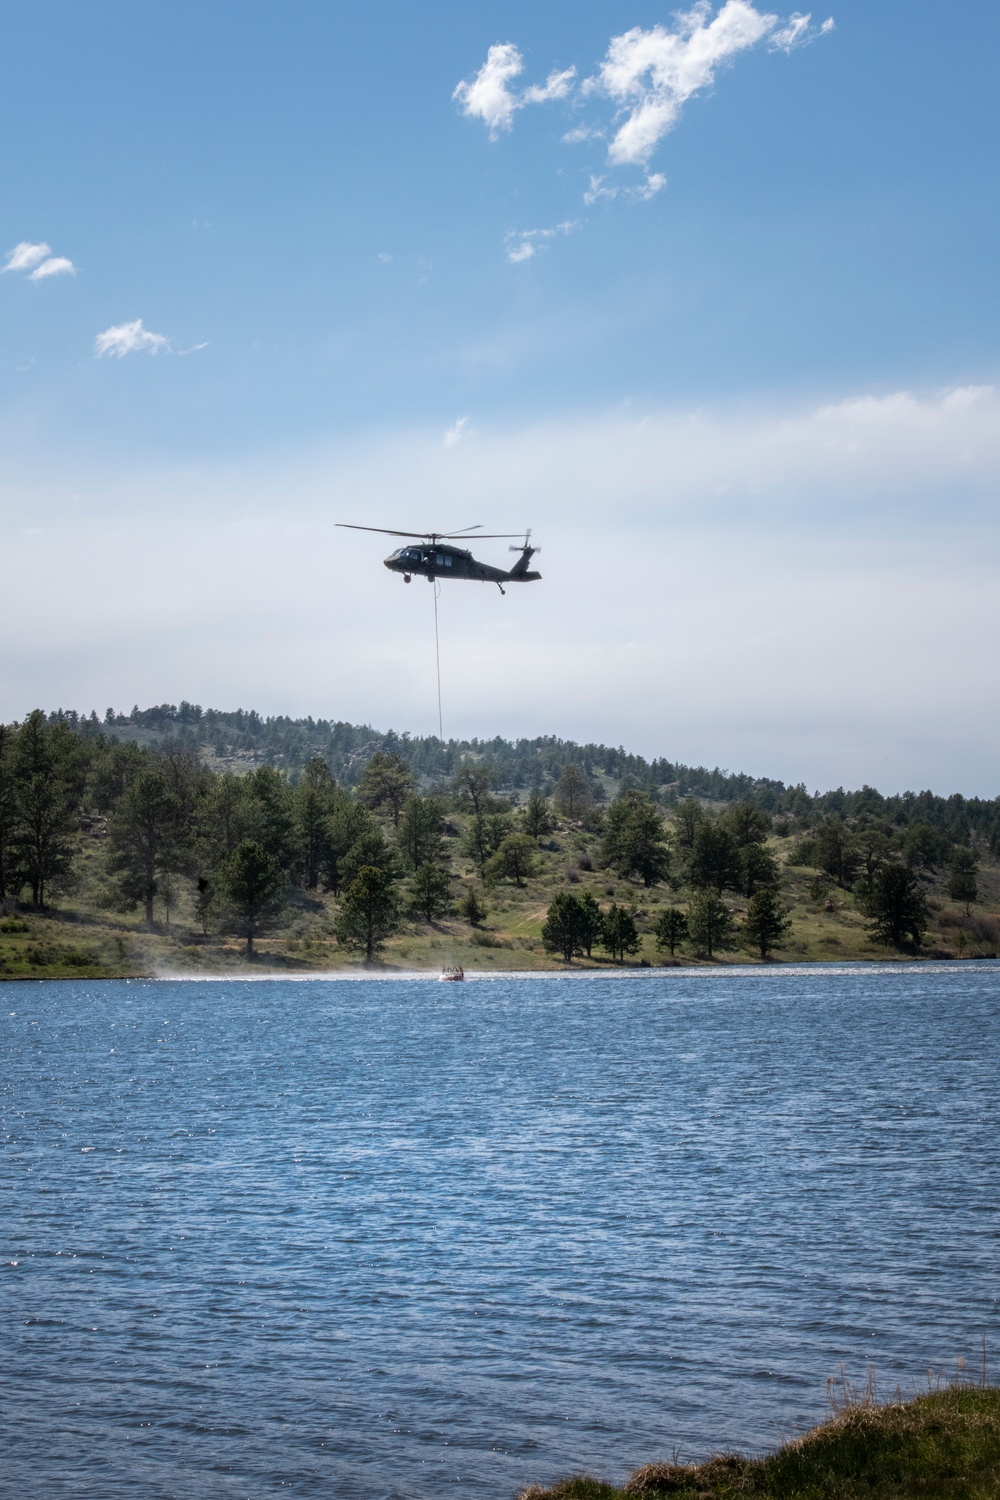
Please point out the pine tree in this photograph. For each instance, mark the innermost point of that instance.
(472, 908)
(766, 922)
(516, 859)
(348, 825)
(619, 933)
(430, 891)
(146, 835)
(369, 911)
(963, 884)
(896, 907)
(671, 929)
(253, 884)
(9, 880)
(472, 786)
(710, 923)
(635, 840)
(421, 831)
(537, 816)
(386, 784)
(573, 792)
(312, 803)
(591, 922)
(47, 783)
(714, 861)
(758, 867)
(485, 833)
(562, 931)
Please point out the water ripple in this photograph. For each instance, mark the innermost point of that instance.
(393, 1239)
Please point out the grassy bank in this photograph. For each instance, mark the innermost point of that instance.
(78, 936)
(942, 1446)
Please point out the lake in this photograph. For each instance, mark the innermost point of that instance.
(395, 1238)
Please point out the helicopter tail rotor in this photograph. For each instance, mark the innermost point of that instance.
(525, 546)
(519, 572)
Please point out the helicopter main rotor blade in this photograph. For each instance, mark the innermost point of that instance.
(431, 536)
(349, 526)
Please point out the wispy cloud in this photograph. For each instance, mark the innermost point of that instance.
(56, 265)
(556, 86)
(797, 32)
(489, 97)
(647, 75)
(454, 433)
(194, 349)
(650, 75)
(38, 260)
(600, 188)
(25, 255)
(128, 338)
(524, 244)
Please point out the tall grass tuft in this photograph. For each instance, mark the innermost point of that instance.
(943, 1444)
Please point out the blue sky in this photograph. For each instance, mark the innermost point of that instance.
(738, 377)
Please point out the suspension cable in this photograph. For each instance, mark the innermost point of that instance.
(437, 657)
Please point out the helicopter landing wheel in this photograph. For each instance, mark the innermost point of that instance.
(406, 577)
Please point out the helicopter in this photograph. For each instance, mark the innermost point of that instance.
(433, 558)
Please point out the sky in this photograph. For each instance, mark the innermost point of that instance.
(706, 298)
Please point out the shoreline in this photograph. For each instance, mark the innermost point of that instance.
(942, 1445)
(735, 970)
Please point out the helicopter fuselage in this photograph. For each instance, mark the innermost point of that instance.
(439, 560)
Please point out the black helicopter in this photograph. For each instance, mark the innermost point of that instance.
(433, 558)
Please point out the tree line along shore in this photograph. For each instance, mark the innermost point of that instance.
(183, 841)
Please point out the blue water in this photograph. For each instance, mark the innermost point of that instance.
(404, 1239)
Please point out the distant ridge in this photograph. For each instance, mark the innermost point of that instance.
(241, 739)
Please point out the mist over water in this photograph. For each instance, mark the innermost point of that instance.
(403, 1239)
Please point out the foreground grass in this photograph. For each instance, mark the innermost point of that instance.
(941, 1446)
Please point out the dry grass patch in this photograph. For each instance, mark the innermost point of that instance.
(944, 1445)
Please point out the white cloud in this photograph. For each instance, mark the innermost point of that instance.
(600, 188)
(797, 31)
(655, 183)
(556, 86)
(489, 97)
(524, 244)
(126, 338)
(25, 255)
(194, 349)
(56, 265)
(648, 75)
(651, 74)
(792, 34)
(454, 433)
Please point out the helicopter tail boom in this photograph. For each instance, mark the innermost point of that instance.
(519, 572)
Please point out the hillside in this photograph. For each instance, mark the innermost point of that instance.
(241, 740)
(87, 887)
